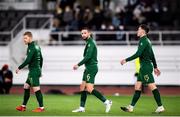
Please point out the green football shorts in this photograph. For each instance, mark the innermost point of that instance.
(145, 75)
(90, 73)
(33, 78)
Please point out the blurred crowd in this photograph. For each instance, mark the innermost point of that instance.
(110, 15)
(97, 15)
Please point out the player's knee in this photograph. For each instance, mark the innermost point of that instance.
(89, 89)
(36, 89)
(138, 88)
(82, 87)
(26, 86)
(152, 86)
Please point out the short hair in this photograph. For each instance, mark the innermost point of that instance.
(28, 33)
(86, 28)
(145, 28)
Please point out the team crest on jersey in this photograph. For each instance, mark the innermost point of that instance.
(141, 43)
(37, 47)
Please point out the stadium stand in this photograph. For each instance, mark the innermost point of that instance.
(99, 16)
(9, 18)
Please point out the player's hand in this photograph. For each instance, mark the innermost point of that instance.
(75, 67)
(157, 71)
(17, 71)
(123, 62)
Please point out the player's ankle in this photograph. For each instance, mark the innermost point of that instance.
(41, 107)
(82, 108)
(23, 105)
(130, 106)
(106, 102)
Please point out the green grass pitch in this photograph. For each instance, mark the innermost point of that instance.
(60, 105)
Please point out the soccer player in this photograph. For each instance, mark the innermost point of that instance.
(91, 68)
(34, 61)
(147, 62)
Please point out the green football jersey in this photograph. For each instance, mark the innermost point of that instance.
(90, 53)
(144, 52)
(34, 57)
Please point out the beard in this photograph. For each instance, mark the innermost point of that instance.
(85, 38)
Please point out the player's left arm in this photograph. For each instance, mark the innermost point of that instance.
(153, 59)
(41, 61)
(157, 72)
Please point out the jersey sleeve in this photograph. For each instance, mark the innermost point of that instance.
(41, 61)
(28, 58)
(141, 47)
(153, 60)
(88, 54)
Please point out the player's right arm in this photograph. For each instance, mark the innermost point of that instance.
(28, 58)
(88, 54)
(75, 67)
(141, 47)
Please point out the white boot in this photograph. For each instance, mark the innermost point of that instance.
(80, 109)
(160, 109)
(108, 104)
(128, 108)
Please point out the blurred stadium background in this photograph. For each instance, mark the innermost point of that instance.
(56, 23)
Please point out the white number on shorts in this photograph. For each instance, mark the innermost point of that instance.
(88, 77)
(146, 77)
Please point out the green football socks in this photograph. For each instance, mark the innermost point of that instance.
(26, 96)
(157, 97)
(98, 95)
(39, 98)
(83, 98)
(136, 97)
